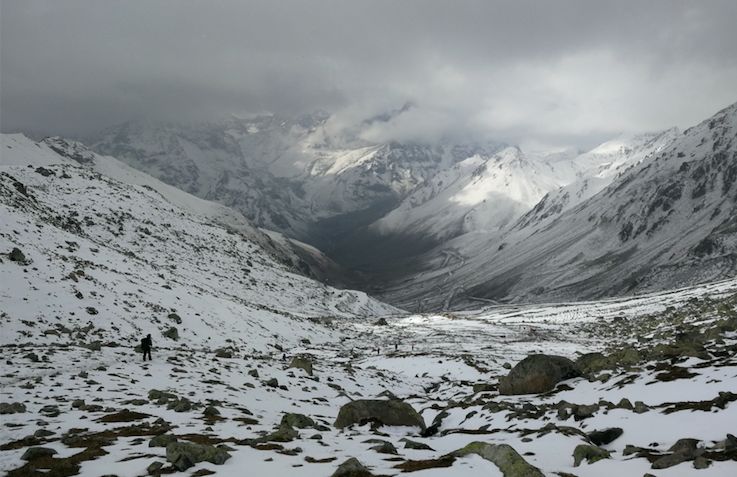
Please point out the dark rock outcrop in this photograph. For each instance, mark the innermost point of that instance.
(538, 373)
(387, 412)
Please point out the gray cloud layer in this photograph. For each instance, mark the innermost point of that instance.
(549, 71)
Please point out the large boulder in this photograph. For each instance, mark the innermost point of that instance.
(302, 362)
(184, 455)
(33, 453)
(352, 468)
(538, 373)
(387, 412)
(588, 453)
(16, 255)
(503, 456)
(172, 333)
(12, 407)
(605, 436)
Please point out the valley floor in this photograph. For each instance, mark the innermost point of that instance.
(100, 408)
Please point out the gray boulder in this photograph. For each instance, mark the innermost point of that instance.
(172, 333)
(34, 453)
(184, 455)
(162, 440)
(16, 255)
(588, 453)
(299, 421)
(302, 362)
(386, 412)
(503, 456)
(12, 408)
(352, 468)
(605, 436)
(538, 373)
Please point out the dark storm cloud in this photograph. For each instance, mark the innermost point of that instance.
(548, 71)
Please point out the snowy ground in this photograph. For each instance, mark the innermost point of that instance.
(438, 360)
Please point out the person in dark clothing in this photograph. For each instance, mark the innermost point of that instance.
(146, 347)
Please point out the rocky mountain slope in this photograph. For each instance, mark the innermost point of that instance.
(648, 388)
(124, 256)
(667, 221)
(370, 206)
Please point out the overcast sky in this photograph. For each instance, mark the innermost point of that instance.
(549, 72)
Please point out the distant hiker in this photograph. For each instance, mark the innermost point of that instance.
(146, 347)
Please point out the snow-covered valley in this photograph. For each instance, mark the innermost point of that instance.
(442, 225)
(259, 369)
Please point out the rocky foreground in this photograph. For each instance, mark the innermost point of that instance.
(610, 388)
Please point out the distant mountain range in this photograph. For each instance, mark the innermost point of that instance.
(445, 224)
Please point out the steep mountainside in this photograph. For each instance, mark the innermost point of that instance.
(668, 221)
(130, 257)
(483, 192)
(288, 175)
(599, 167)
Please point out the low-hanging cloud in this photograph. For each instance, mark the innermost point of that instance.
(557, 72)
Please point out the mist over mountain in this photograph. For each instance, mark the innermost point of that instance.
(406, 220)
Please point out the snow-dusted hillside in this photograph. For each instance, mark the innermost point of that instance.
(362, 202)
(655, 395)
(129, 258)
(481, 193)
(597, 169)
(668, 221)
(290, 175)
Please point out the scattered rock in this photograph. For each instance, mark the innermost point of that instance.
(408, 444)
(352, 468)
(381, 322)
(503, 456)
(300, 421)
(701, 462)
(172, 333)
(605, 436)
(37, 452)
(383, 447)
(302, 362)
(12, 408)
(386, 412)
(588, 453)
(175, 318)
(482, 387)
(223, 353)
(162, 440)
(17, 256)
(538, 373)
(50, 410)
(184, 455)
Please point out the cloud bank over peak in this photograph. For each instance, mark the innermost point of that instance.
(568, 72)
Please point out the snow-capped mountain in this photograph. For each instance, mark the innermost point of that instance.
(480, 193)
(598, 168)
(127, 253)
(288, 175)
(665, 222)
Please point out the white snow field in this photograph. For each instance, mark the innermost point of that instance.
(90, 263)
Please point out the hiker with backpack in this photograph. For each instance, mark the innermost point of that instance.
(146, 347)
